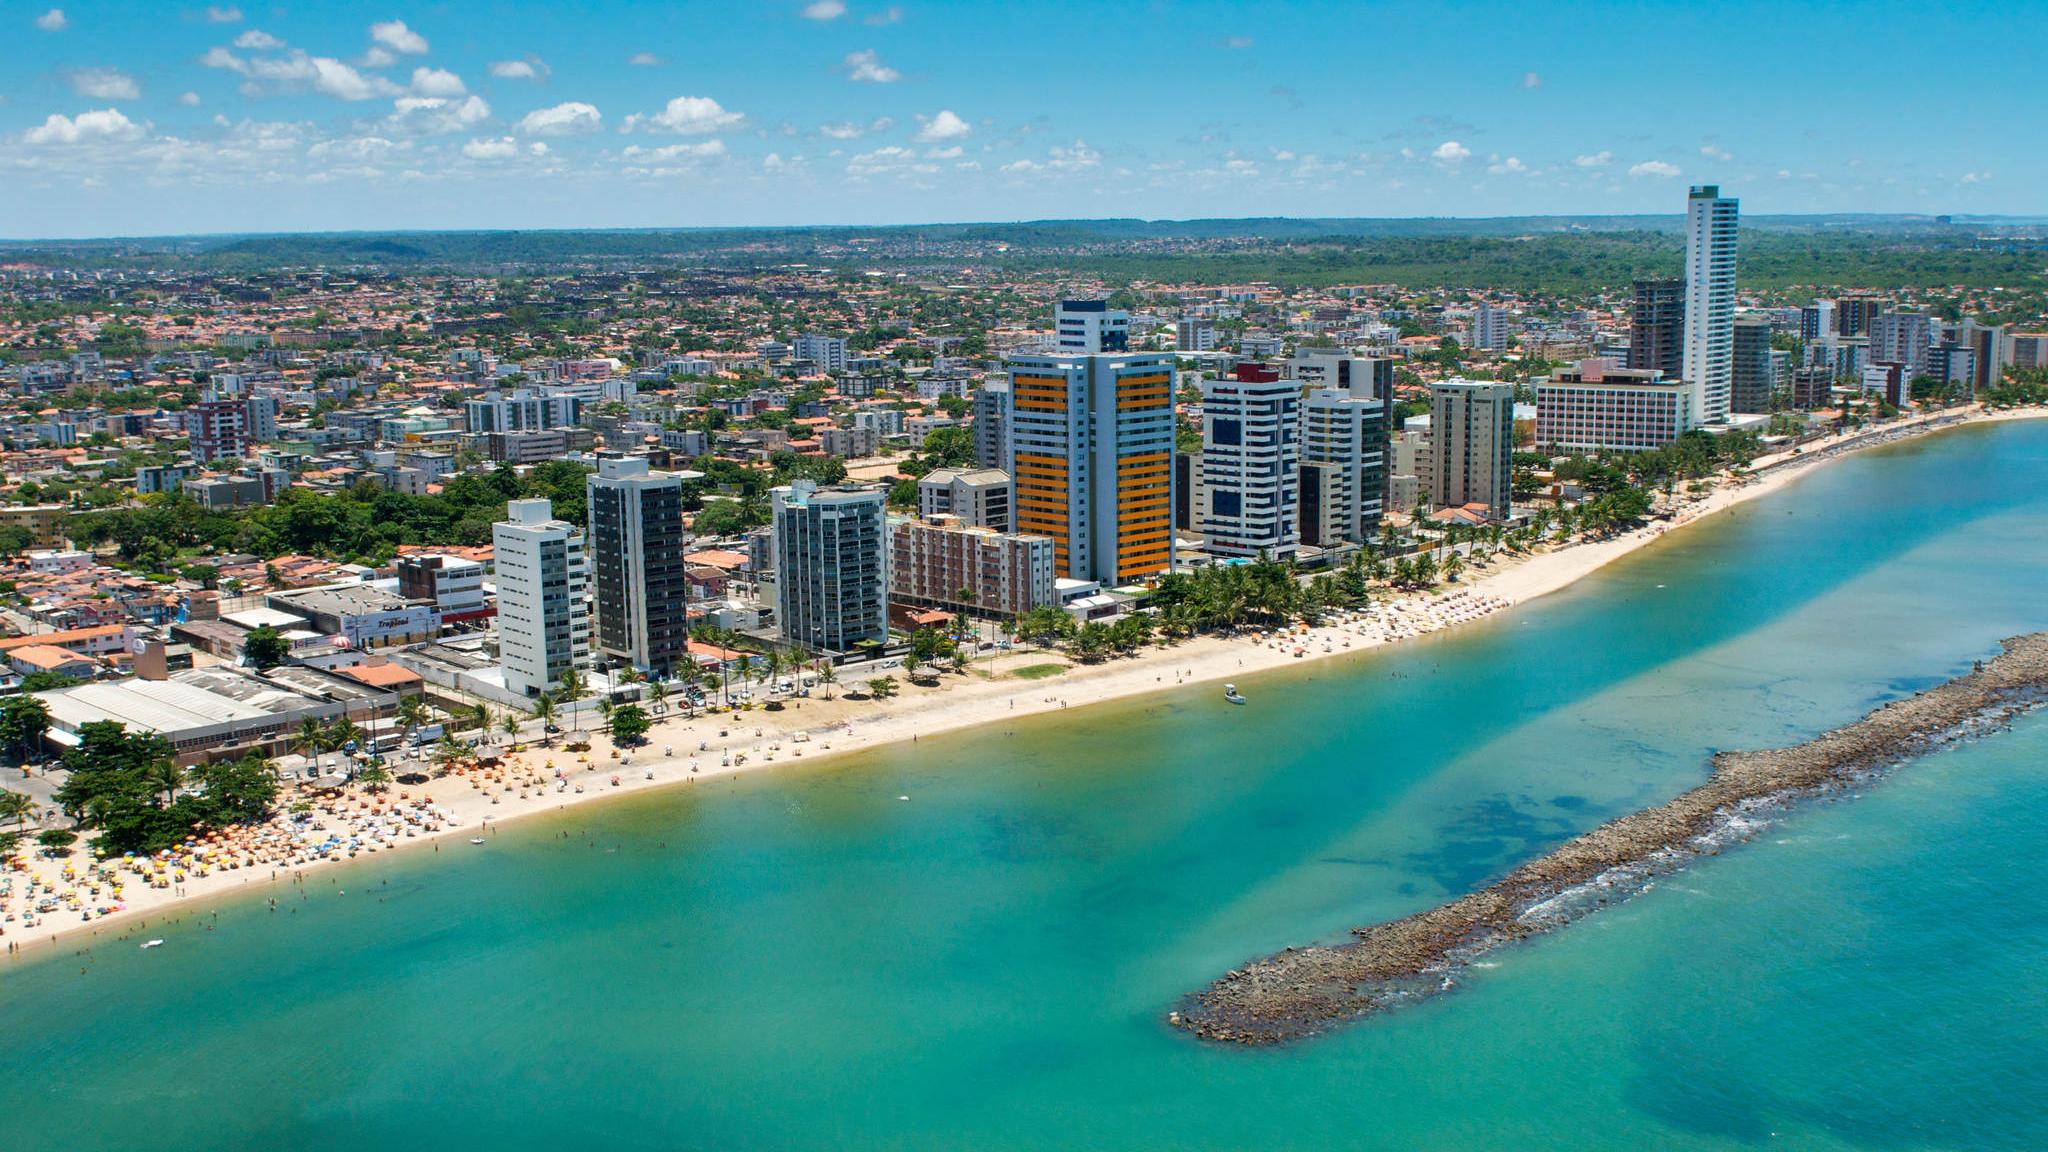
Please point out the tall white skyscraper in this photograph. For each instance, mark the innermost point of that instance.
(543, 624)
(1250, 455)
(1710, 300)
(1490, 328)
(1344, 425)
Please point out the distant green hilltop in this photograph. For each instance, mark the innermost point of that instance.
(1556, 253)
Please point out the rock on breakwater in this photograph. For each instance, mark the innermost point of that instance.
(1303, 991)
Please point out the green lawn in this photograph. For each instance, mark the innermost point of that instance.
(1038, 671)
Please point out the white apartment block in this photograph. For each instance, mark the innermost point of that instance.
(543, 620)
(1250, 452)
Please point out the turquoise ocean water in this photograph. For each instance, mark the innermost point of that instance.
(799, 959)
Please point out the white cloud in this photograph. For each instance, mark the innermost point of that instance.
(1657, 168)
(1594, 160)
(105, 84)
(1505, 167)
(942, 126)
(257, 40)
(645, 60)
(866, 67)
(889, 159)
(1077, 158)
(298, 71)
(1451, 152)
(824, 10)
(52, 21)
(847, 130)
(503, 148)
(219, 15)
(1975, 177)
(561, 120)
(1532, 80)
(393, 34)
(890, 15)
(189, 99)
(531, 68)
(1716, 152)
(436, 82)
(677, 151)
(1238, 43)
(436, 115)
(686, 116)
(86, 127)
(377, 57)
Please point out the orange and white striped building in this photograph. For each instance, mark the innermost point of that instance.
(1091, 440)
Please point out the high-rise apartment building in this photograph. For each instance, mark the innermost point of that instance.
(636, 543)
(520, 410)
(1902, 338)
(1989, 350)
(831, 566)
(1091, 444)
(1817, 321)
(543, 619)
(1490, 328)
(1855, 314)
(1344, 425)
(1710, 220)
(1472, 434)
(218, 427)
(992, 425)
(1250, 451)
(1194, 335)
(1751, 380)
(826, 353)
(977, 497)
(1656, 333)
(1088, 327)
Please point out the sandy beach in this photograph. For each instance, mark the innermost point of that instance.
(687, 752)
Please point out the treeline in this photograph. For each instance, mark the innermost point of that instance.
(1576, 262)
(365, 523)
(128, 786)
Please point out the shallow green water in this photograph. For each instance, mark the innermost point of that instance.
(802, 960)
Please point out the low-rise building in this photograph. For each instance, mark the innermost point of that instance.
(945, 561)
(364, 615)
(1597, 408)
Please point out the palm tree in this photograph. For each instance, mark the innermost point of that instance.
(771, 667)
(311, 739)
(745, 666)
(481, 713)
(18, 808)
(509, 725)
(166, 775)
(827, 676)
(413, 713)
(448, 750)
(657, 694)
(544, 710)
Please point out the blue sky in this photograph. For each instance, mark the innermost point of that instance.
(146, 118)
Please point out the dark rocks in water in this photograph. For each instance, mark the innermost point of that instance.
(1304, 990)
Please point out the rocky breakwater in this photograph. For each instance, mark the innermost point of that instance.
(1302, 991)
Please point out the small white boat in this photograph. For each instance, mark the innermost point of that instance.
(476, 839)
(1230, 693)
(152, 944)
